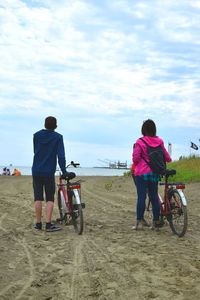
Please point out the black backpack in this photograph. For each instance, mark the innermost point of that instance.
(157, 161)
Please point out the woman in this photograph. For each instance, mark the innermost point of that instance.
(146, 180)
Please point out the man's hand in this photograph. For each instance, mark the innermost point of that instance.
(68, 175)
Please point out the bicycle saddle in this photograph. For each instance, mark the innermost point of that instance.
(68, 175)
(170, 172)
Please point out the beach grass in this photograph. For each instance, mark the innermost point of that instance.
(187, 169)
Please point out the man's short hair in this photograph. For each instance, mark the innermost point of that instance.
(50, 123)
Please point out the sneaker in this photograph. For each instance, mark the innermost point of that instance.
(140, 224)
(52, 228)
(38, 226)
(158, 224)
(136, 227)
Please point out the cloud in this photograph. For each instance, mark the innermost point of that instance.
(100, 65)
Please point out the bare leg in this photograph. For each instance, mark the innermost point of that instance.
(38, 210)
(49, 211)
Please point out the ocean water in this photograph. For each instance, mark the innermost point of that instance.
(81, 171)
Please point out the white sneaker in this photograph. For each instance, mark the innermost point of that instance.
(140, 224)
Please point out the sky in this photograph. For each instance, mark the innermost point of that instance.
(101, 67)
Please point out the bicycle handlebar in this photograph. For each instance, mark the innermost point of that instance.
(72, 163)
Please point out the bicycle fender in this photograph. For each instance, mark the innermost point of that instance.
(76, 194)
(160, 199)
(184, 200)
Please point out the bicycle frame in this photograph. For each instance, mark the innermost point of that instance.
(173, 205)
(165, 208)
(164, 204)
(67, 189)
(69, 201)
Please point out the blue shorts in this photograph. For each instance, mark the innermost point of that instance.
(43, 184)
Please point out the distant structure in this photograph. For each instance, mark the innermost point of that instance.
(114, 164)
(170, 148)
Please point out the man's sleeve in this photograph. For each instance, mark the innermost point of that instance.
(61, 155)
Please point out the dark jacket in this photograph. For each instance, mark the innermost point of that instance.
(48, 147)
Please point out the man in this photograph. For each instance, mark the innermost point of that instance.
(48, 147)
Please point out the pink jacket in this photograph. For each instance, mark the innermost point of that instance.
(141, 167)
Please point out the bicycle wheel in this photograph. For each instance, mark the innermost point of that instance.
(178, 220)
(77, 215)
(60, 204)
(149, 212)
(61, 209)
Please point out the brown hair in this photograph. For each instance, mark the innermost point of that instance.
(149, 128)
(50, 123)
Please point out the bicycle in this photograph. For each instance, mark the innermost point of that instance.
(69, 202)
(173, 205)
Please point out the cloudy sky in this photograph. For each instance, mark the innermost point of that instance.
(101, 67)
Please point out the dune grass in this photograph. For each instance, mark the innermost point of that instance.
(187, 169)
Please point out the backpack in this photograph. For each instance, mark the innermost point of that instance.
(157, 161)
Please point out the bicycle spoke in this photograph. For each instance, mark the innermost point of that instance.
(178, 221)
(77, 217)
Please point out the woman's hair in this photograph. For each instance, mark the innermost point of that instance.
(149, 128)
(50, 123)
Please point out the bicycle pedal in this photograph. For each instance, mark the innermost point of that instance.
(59, 220)
(158, 225)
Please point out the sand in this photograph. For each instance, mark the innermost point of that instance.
(109, 261)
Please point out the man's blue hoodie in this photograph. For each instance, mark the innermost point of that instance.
(48, 147)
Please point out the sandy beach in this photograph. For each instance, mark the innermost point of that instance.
(109, 261)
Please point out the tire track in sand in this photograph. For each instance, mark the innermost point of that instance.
(104, 200)
(22, 242)
(100, 260)
(76, 275)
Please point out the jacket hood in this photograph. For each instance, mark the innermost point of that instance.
(45, 136)
(152, 141)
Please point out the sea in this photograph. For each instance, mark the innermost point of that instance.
(80, 171)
